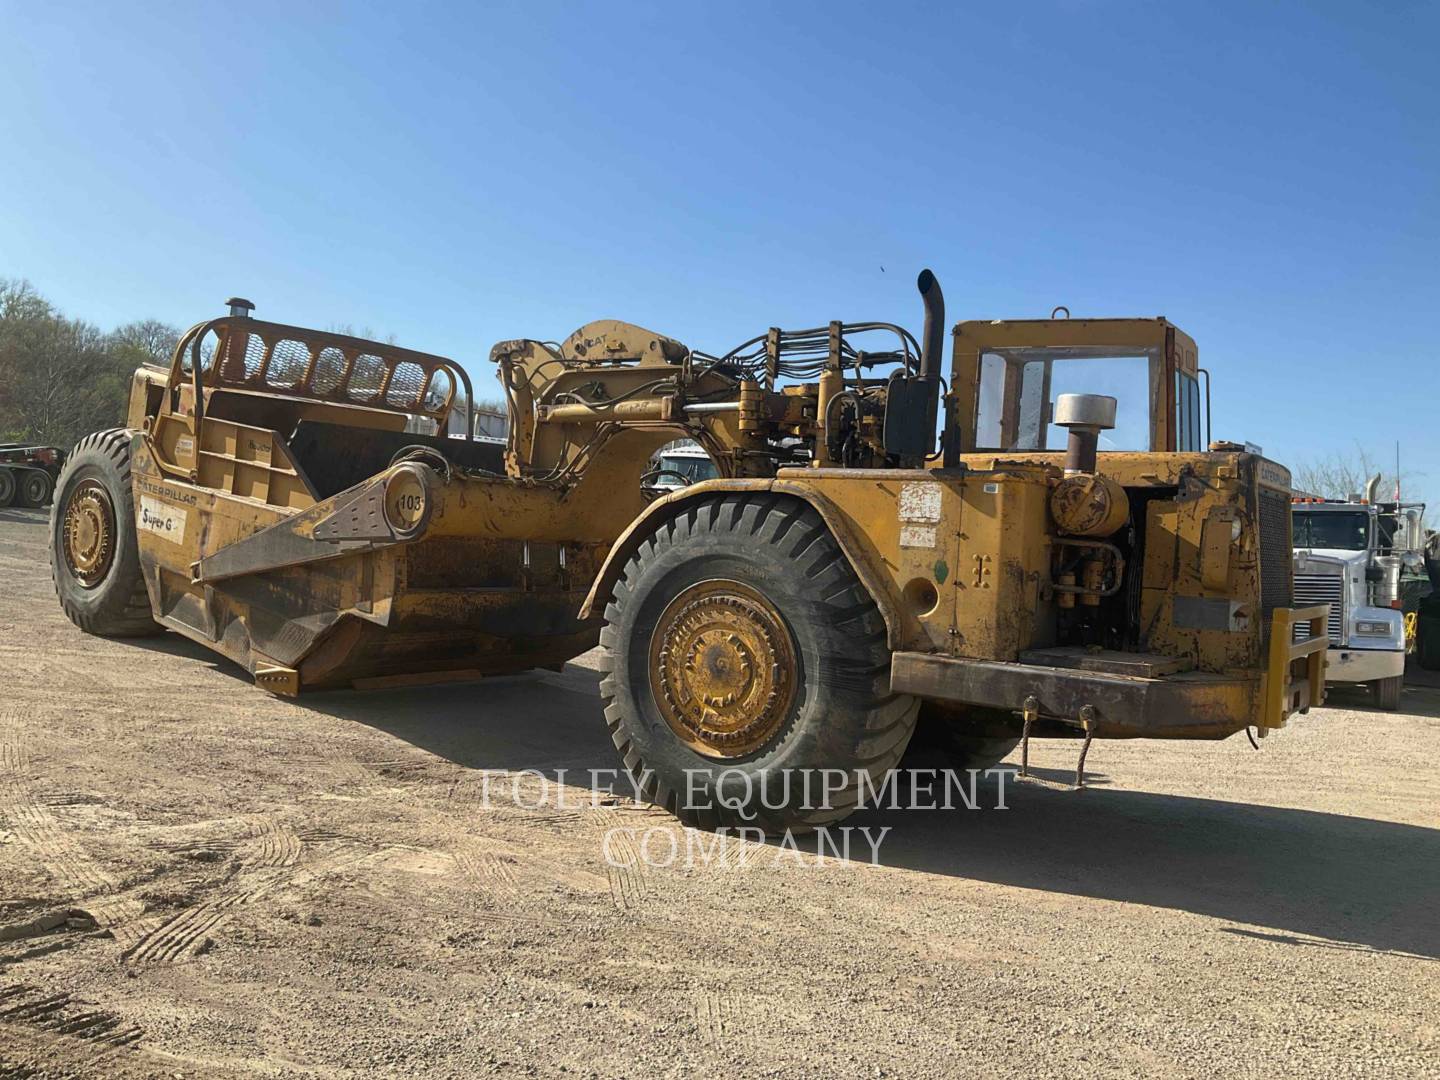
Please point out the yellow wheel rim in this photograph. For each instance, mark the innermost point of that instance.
(723, 669)
(89, 533)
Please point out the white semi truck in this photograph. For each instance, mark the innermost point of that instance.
(1351, 555)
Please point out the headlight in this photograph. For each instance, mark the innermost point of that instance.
(1375, 629)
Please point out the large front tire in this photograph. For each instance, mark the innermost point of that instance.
(746, 670)
(94, 551)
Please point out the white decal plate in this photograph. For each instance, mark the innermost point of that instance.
(162, 519)
(917, 536)
(920, 502)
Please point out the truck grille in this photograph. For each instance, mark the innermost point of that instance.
(1321, 589)
(1276, 567)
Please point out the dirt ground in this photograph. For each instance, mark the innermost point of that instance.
(198, 879)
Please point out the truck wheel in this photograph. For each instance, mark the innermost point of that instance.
(7, 487)
(1387, 692)
(94, 552)
(743, 659)
(34, 487)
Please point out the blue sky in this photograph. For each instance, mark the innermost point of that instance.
(1264, 175)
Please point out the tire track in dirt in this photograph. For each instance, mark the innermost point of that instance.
(617, 819)
(266, 862)
(32, 823)
(495, 872)
(719, 1018)
(35, 1023)
(624, 868)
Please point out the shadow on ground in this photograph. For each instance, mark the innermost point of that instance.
(1354, 881)
(1421, 696)
(27, 515)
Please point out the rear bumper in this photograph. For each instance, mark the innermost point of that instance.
(1194, 705)
(1363, 665)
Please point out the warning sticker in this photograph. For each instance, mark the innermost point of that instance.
(920, 502)
(163, 519)
(917, 536)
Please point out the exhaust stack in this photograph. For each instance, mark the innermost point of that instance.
(1085, 415)
(913, 401)
(932, 338)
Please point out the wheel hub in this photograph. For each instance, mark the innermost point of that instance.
(89, 534)
(722, 667)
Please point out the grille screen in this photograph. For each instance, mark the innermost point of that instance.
(1313, 589)
(1275, 564)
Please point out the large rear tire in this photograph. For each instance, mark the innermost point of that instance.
(8, 487)
(94, 551)
(743, 657)
(1387, 692)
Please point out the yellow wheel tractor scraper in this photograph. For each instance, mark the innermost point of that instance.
(1061, 563)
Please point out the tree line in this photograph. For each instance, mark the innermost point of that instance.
(62, 378)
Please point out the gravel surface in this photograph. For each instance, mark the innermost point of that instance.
(198, 879)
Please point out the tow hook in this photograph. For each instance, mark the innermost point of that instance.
(1087, 721)
(1031, 712)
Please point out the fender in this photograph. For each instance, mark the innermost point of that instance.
(879, 586)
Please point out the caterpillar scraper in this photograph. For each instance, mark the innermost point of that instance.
(1022, 554)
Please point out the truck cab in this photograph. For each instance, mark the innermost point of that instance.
(1350, 555)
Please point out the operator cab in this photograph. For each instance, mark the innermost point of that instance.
(1007, 375)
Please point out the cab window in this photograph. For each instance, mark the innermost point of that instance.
(1187, 413)
(1018, 388)
(1341, 530)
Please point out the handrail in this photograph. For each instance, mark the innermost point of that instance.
(392, 356)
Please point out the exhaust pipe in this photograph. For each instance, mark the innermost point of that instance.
(913, 401)
(932, 338)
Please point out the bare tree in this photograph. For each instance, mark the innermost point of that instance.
(1339, 475)
(150, 339)
(62, 378)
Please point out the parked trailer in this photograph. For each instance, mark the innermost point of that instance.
(28, 473)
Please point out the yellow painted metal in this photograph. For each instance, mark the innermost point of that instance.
(723, 668)
(1295, 675)
(1217, 533)
(1170, 350)
(89, 532)
(1089, 504)
(429, 566)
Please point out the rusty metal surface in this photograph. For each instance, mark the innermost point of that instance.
(1189, 705)
(88, 525)
(723, 668)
